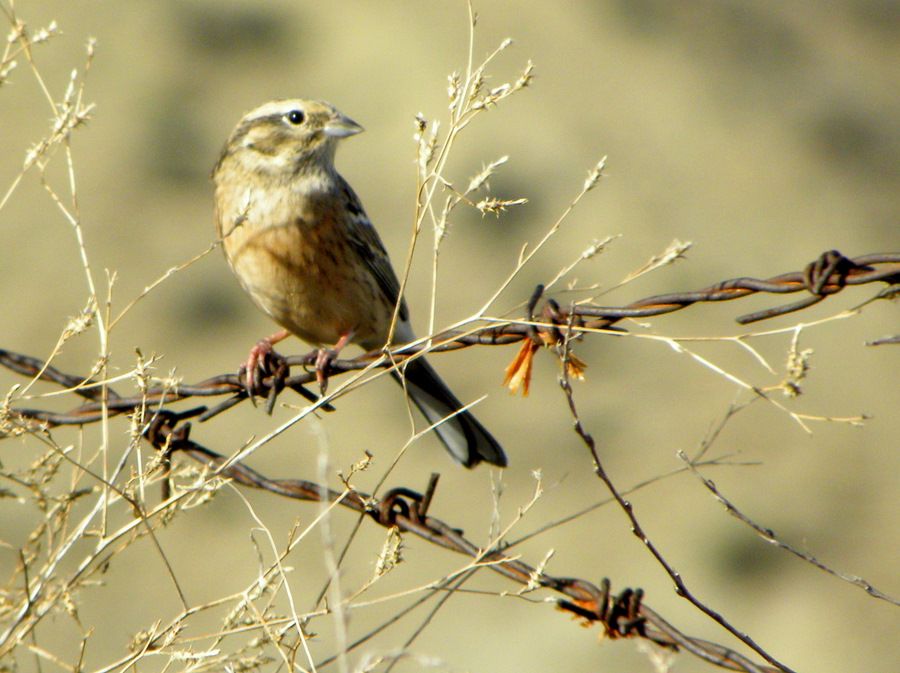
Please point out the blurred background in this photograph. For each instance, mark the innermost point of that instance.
(765, 133)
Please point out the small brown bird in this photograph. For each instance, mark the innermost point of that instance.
(301, 245)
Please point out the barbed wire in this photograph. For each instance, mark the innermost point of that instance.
(826, 276)
(622, 615)
(830, 273)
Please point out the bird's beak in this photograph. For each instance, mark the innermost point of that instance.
(340, 126)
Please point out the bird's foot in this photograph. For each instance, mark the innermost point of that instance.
(325, 357)
(261, 361)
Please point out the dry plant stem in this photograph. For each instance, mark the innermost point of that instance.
(31, 607)
(556, 523)
(451, 590)
(164, 277)
(589, 184)
(69, 113)
(295, 620)
(333, 588)
(467, 99)
(393, 619)
(66, 116)
(340, 561)
(595, 248)
(769, 536)
(156, 639)
(733, 410)
(422, 205)
(636, 528)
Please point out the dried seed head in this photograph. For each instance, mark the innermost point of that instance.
(525, 78)
(391, 553)
(79, 323)
(480, 180)
(454, 91)
(497, 206)
(44, 34)
(477, 84)
(797, 367)
(594, 175)
(426, 140)
(595, 247)
(421, 124)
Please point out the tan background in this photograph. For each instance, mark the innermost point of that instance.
(763, 132)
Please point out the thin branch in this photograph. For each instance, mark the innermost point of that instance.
(769, 536)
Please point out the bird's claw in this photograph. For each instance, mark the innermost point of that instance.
(262, 361)
(324, 358)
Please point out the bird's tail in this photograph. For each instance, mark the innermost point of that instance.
(467, 440)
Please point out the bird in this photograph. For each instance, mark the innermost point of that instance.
(301, 245)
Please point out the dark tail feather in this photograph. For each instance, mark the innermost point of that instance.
(467, 440)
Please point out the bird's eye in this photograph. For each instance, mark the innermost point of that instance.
(295, 117)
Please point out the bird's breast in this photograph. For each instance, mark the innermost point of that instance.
(292, 255)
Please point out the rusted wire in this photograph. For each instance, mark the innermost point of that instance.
(826, 276)
(623, 615)
(830, 273)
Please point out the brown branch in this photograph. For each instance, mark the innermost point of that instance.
(636, 528)
(769, 536)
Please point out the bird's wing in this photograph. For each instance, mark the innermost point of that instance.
(366, 242)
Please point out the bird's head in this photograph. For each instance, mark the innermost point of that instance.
(288, 137)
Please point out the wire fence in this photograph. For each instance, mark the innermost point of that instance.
(623, 614)
(828, 275)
